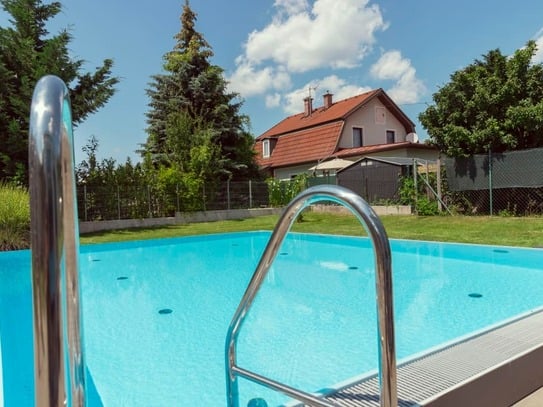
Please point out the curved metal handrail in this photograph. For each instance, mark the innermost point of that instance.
(58, 356)
(383, 278)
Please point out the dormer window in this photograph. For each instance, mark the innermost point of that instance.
(357, 137)
(266, 149)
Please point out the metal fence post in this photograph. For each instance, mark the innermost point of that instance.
(438, 176)
(118, 203)
(228, 193)
(177, 196)
(250, 195)
(415, 176)
(204, 195)
(149, 200)
(85, 200)
(490, 180)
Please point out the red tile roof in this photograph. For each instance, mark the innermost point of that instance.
(338, 111)
(302, 146)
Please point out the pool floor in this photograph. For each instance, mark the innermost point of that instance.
(155, 313)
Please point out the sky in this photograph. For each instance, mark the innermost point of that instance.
(277, 52)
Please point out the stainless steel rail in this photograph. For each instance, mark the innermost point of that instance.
(383, 280)
(58, 357)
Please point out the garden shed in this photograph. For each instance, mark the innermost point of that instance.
(376, 179)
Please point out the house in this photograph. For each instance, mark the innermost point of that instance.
(323, 140)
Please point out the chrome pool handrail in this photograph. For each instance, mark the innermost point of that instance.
(58, 352)
(383, 280)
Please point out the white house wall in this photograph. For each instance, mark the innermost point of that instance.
(413, 152)
(373, 133)
(288, 173)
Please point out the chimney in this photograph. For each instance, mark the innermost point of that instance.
(327, 99)
(308, 106)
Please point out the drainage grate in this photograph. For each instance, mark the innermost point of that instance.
(421, 380)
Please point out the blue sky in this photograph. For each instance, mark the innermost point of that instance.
(274, 51)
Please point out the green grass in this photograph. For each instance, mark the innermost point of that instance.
(509, 231)
(14, 218)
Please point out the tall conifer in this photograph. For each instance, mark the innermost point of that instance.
(189, 100)
(28, 52)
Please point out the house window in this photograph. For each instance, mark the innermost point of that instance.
(266, 148)
(391, 136)
(357, 137)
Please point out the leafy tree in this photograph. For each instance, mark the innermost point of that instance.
(102, 184)
(495, 103)
(190, 99)
(28, 52)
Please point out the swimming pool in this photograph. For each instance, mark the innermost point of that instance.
(155, 313)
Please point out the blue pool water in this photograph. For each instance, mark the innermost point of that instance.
(155, 313)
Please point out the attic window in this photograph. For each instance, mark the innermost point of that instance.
(266, 149)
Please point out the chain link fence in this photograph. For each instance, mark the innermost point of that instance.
(110, 202)
(506, 184)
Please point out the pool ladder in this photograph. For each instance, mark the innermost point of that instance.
(383, 280)
(59, 376)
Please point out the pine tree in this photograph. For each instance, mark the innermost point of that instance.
(27, 53)
(190, 100)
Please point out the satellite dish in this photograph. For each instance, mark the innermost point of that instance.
(412, 138)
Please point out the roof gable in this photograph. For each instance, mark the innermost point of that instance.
(337, 111)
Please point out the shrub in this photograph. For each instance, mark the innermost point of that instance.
(282, 192)
(426, 207)
(14, 218)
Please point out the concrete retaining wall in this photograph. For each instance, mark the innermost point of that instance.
(179, 219)
(379, 210)
(182, 218)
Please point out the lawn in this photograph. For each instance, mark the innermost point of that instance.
(508, 231)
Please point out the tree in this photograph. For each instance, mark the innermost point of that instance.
(190, 100)
(495, 103)
(28, 52)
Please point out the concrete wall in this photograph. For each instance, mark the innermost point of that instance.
(286, 173)
(179, 219)
(213, 216)
(379, 210)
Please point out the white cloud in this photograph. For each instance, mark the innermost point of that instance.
(294, 101)
(538, 57)
(408, 89)
(291, 7)
(392, 66)
(273, 100)
(334, 33)
(305, 35)
(249, 80)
